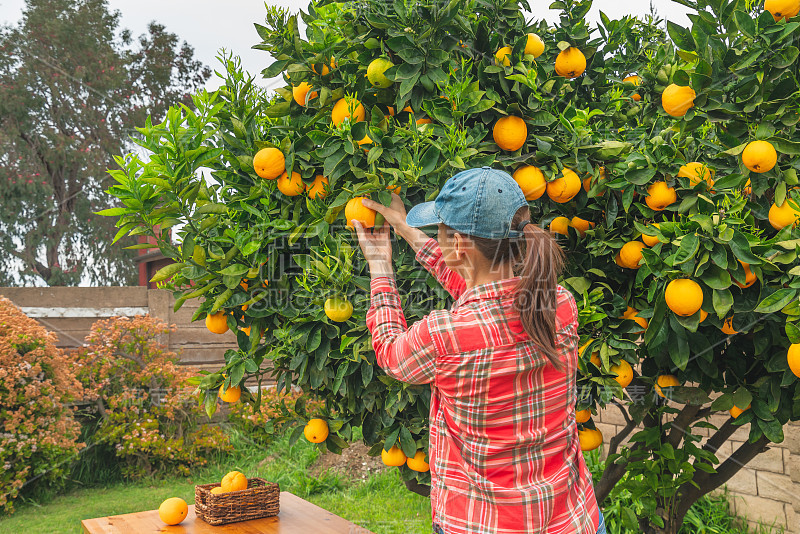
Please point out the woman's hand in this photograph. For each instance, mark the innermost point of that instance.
(395, 215)
(377, 248)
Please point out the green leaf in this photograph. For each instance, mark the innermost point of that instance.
(237, 269)
(741, 249)
(776, 300)
(407, 443)
(681, 36)
(793, 332)
(211, 208)
(742, 398)
(167, 271)
(690, 244)
(723, 402)
(722, 301)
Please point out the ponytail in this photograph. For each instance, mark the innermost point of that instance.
(536, 299)
(540, 260)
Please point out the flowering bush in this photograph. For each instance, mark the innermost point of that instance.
(275, 410)
(38, 434)
(149, 413)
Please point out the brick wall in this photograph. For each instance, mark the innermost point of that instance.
(766, 490)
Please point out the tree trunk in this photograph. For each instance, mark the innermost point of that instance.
(419, 489)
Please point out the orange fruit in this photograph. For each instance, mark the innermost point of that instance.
(703, 315)
(234, 481)
(510, 133)
(697, 172)
(503, 56)
(659, 196)
(631, 254)
(316, 430)
(793, 358)
(365, 141)
(684, 296)
(677, 99)
(269, 163)
(783, 215)
(635, 80)
(317, 189)
(735, 411)
(651, 240)
(299, 93)
(247, 330)
(423, 120)
(749, 277)
(564, 188)
(341, 111)
(355, 210)
(727, 327)
(632, 314)
(560, 225)
(534, 46)
(624, 373)
(759, 156)
(394, 189)
(665, 381)
(173, 510)
(231, 394)
(217, 490)
(570, 63)
(531, 181)
(595, 359)
(291, 187)
(418, 463)
(581, 416)
(748, 188)
(325, 70)
(393, 457)
(338, 309)
(581, 225)
(590, 438)
(587, 182)
(782, 9)
(217, 322)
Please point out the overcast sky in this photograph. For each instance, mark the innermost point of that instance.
(211, 25)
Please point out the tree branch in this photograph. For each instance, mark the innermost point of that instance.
(680, 424)
(615, 442)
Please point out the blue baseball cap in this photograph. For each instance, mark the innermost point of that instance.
(480, 202)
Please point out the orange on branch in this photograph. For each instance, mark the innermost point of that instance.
(317, 189)
(338, 309)
(531, 181)
(560, 225)
(316, 430)
(651, 240)
(503, 56)
(759, 156)
(590, 438)
(727, 327)
(677, 99)
(534, 45)
(570, 63)
(342, 110)
(300, 93)
(631, 254)
(684, 296)
(355, 210)
(665, 381)
(232, 394)
(783, 215)
(735, 411)
(394, 457)
(782, 9)
(269, 163)
(793, 358)
(418, 463)
(697, 172)
(510, 133)
(749, 277)
(581, 416)
(564, 188)
(632, 314)
(217, 322)
(624, 373)
(291, 187)
(581, 225)
(659, 196)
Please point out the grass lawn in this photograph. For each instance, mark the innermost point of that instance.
(381, 504)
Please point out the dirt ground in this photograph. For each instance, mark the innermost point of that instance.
(353, 462)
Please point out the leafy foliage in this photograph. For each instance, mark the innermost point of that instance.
(149, 413)
(38, 434)
(743, 66)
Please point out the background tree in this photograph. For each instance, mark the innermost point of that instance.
(631, 143)
(72, 88)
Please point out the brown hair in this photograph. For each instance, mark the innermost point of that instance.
(539, 260)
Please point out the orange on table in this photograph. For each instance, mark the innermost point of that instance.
(531, 181)
(291, 187)
(269, 163)
(234, 481)
(173, 510)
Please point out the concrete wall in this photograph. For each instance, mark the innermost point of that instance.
(766, 490)
(69, 312)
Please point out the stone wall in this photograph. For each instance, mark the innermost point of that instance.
(766, 490)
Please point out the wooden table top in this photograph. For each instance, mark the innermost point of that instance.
(297, 516)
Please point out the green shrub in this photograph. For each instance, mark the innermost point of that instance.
(148, 411)
(38, 433)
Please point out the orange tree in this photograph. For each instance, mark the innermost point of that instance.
(633, 144)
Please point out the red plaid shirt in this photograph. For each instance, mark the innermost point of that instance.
(504, 451)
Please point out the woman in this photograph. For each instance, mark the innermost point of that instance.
(504, 451)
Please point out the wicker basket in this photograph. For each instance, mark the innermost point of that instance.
(260, 499)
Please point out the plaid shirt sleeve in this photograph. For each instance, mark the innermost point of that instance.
(409, 354)
(430, 256)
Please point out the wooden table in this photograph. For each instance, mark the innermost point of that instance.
(297, 516)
